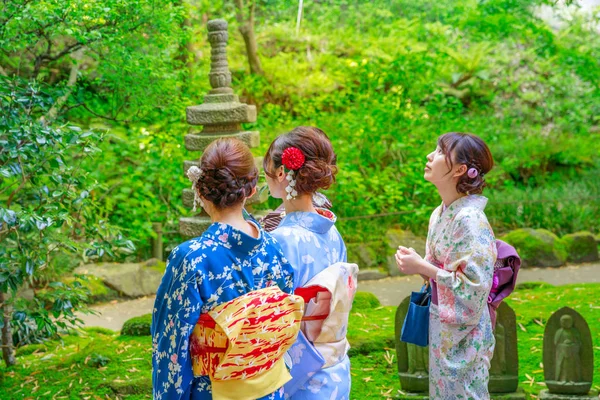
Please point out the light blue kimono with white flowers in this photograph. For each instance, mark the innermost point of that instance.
(311, 243)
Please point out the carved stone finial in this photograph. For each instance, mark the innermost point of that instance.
(220, 77)
(220, 115)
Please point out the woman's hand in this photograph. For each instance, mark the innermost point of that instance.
(410, 263)
(408, 260)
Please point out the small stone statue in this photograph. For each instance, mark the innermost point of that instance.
(413, 361)
(504, 368)
(568, 357)
(568, 346)
(498, 366)
(418, 360)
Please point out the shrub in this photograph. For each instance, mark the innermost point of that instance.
(137, 326)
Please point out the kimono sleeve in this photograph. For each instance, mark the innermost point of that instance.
(176, 311)
(465, 281)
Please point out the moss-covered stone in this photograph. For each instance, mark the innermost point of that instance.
(137, 326)
(141, 385)
(537, 247)
(365, 300)
(99, 292)
(156, 264)
(363, 254)
(581, 247)
(129, 279)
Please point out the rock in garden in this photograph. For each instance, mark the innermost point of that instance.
(370, 275)
(363, 254)
(537, 247)
(130, 280)
(581, 247)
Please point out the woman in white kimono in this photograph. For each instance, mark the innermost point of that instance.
(460, 258)
(298, 164)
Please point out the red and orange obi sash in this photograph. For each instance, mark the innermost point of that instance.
(240, 344)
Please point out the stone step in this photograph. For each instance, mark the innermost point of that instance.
(193, 226)
(220, 113)
(200, 141)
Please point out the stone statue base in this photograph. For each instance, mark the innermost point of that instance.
(568, 387)
(592, 395)
(518, 395)
(414, 383)
(503, 383)
(412, 396)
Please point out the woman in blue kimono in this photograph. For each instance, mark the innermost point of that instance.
(225, 295)
(298, 164)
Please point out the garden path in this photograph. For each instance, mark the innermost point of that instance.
(390, 291)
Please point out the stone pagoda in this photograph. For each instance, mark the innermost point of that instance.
(221, 115)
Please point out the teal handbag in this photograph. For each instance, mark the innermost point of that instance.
(415, 329)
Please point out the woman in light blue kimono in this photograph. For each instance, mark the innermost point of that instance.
(298, 164)
(230, 285)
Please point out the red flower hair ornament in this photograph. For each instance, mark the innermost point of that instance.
(292, 158)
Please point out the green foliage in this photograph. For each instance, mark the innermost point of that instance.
(124, 52)
(146, 187)
(97, 291)
(383, 78)
(47, 205)
(137, 326)
(562, 207)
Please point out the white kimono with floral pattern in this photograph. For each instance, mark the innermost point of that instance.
(461, 243)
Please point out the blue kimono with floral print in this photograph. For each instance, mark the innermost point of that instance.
(311, 243)
(202, 273)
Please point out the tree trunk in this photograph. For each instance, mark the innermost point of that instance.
(185, 53)
(246, 23)
(77, 60)
(8, 353)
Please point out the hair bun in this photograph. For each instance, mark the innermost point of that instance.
(317, 170)
(229, 173)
